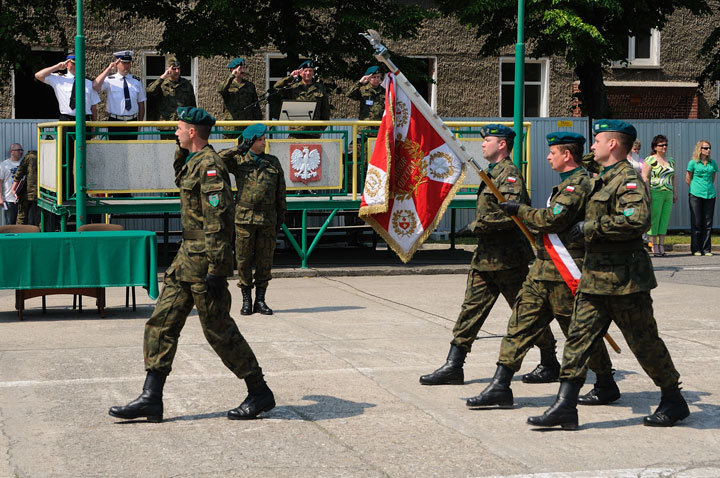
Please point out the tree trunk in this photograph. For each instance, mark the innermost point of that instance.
(593, 95)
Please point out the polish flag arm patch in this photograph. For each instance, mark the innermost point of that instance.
(511, 179)
(212, 172)
(570, 188)
(631, 186)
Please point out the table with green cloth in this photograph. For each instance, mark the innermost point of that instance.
(72, 261)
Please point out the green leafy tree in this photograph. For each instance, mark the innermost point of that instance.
(589, 34)
(710, 55)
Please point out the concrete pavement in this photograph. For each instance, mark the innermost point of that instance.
(343, 355)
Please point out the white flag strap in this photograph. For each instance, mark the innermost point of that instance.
(563, 261)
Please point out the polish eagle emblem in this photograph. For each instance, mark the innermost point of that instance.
(305, 162)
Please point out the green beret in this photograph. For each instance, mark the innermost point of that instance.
(172, 61)
(499, 130)
(565, 137)
(608, 125)
(306, 64)
(236, 62)
(372, 70)
(254, 131)
(193, 115)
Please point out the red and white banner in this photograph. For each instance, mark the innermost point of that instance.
(412, 176)
(563, 261)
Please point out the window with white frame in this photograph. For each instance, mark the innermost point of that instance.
(643, 50)
(427, 89)
(277, 68)
(536, 87)
(153, 66)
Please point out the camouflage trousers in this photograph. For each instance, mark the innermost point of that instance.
(633, 314)
(535, 307)
(28, 212)
(254, 245)
(176, 301)
(481, 292)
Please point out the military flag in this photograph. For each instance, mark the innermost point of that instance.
(413, 173)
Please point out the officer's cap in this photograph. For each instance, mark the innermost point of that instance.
(565, 137)
(254, 131)
(125, 56)
(172, 61)
(235, 63)
(70, 56)
(498, 130)
(372, 70)
(306, 64)
(194, 115)
(608, 125)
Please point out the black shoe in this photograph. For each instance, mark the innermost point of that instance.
(260, 305)
(605, 391)
(148, 405)
(260, 399)
(247, 308)
(564, 410)
(543, 374)
(671, 410)
(497, 393)
(451, 373)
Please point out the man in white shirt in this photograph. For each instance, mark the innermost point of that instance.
(8, 200)
(125, 94)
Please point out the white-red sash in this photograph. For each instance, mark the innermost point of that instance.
(563, 261)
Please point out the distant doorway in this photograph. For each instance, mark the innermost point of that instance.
(34, 99)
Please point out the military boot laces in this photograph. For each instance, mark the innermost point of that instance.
(498, 393)
(247, 308)
(451, 373)
(671, 410)
(605, 391)
(148, 405)
(547, 371)
(260, 399)
(564, 410)
(260, 305)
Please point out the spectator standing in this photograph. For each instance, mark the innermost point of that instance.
(125, 94)
(28, 211)
(700, 176)
(169, 92)
(659, 173)
(8, 168)
(239, 97)
(634, 157)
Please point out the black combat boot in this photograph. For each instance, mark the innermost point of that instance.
(451, 373)
(605, 391)
(547, 371)
(672, 409)
(260, 305)
(149, 404)
(564, 410)
(497, 393)
(247, 308)
(260, 399)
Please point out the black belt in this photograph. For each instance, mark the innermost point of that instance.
(64, 117)
(627, 246)
(122, 117)
(194, 234)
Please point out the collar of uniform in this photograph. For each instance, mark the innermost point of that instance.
(567, 174)
(190, 156)
(255, 157)
(608, 170)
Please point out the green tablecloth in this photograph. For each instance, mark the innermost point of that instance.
(58, 260)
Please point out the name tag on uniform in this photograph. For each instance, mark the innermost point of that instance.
(369, 102)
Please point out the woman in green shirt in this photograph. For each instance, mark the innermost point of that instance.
(659, 172)
(700, 177)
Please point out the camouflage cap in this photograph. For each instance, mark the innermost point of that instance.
(610, 125)
(499, 130)
(565, 137)
(372, 70)
(254, 131)
(235, 63)
(172, 61)
(193, 115)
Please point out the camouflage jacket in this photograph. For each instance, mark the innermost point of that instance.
(28, 167)
(501, 244)
(616, 216)
(372, 101)
(166, 95)
(240, 100)
(566, 206)
(301, 92)
(260, 197)
(206, 212)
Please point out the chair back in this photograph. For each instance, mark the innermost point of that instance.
(100, 227)
(15, 228)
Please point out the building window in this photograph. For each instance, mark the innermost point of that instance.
(427, 89)
(278, 67)
(153, 66)
(642, 50)
(536, 87)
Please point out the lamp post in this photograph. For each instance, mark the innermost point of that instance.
(519, 95)
(80, 147)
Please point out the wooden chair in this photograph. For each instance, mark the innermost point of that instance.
(107, 227)
(17, 228)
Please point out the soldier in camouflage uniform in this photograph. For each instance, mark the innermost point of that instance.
(169, 92)
(617, 277)
(545, 293)
(259, 213)
(239, 97)
(301, 86)
(28, 211)
(197, 277)
(370, 94)
(500, 261)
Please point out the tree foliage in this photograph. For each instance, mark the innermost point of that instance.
(710, 55)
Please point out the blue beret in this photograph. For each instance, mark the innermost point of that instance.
(306, 64)
(565, 137)
(193, 115)
(254, 131)
(125, 56)
(372, 70)
(236, 62)
(70, 56)
(501, 131)
(608, 125)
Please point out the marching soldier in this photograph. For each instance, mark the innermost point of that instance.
(500, 261)
(301, 86)
(197, 277)
(168, 93)
(615, 284)
(239, 96)
(259, 213)
(28, 211)
(547, 292)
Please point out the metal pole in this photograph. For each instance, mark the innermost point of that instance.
(519, 87)
(80, 206)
